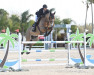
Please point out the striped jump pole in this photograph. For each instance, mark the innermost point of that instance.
(51, 59)
(45, 50)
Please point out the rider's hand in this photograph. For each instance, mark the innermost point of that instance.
(42, 15)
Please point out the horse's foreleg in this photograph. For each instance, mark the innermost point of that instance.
(23, 47)
(30, 46)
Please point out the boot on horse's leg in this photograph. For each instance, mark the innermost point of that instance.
(23, 49)
(29, 49)
(35, 24)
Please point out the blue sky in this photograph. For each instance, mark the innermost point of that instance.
(73, 9)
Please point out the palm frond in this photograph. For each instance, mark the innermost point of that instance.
(72, 35)
(6, 40)
(14, 40)
(2, 35)
(7, 31)
(11, 42)
(92, 37)
(14, 36)
(1, 41)
(89, 35)
(74, 39)
(90, 43)
(88, 40)
(81, 39)
(74, 43)
(81, 35)
(77, 31)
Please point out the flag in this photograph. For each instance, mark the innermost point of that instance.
(17, 30)
(3, 31)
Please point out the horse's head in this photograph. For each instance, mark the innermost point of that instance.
(52, 17)
(49, 18)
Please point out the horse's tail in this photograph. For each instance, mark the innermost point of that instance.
(28, 35)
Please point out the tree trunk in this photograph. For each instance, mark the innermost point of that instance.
(82, 58)
(5, 57)
(92, 15)
(86, 15)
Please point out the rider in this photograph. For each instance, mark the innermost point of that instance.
(42, 12)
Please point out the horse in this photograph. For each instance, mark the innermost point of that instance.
(44, 27)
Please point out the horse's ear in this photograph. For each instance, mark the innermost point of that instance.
(54, 12)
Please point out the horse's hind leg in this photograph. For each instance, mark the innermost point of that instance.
(29, 49)
(23, 48)
(30, 45)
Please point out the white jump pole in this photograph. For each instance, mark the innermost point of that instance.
(85, 48)
(30, 42)
(68, 49)
(19, 50)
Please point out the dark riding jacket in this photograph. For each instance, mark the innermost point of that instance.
(40, 12)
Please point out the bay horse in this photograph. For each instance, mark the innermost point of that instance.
(44, 27)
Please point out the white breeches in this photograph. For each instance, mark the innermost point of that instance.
(36, 18)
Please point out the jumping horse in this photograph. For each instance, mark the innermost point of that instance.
(44, 26)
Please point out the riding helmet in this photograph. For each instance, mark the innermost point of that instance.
(44, 6)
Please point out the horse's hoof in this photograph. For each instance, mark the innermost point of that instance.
(27, 52)
(22, 53)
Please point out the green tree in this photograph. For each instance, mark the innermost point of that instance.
(66, 21)
(57, 20)
(91, 2)
(30, 23)
(73, 28)
(25, 16)
(87, 6)
(15, 23)
(3, 19)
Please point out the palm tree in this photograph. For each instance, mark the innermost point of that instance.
(91, 2)
(78, 37)
(6, 37)
(90, 40)
(24, 19)
(87, 6)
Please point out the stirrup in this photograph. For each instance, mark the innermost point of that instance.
(33, 29)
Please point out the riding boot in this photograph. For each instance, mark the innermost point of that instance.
(34, 27)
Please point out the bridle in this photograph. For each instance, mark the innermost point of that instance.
(50, 22)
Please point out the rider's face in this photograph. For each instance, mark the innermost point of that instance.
(45, 9)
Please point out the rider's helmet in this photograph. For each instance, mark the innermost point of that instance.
(44, 6)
